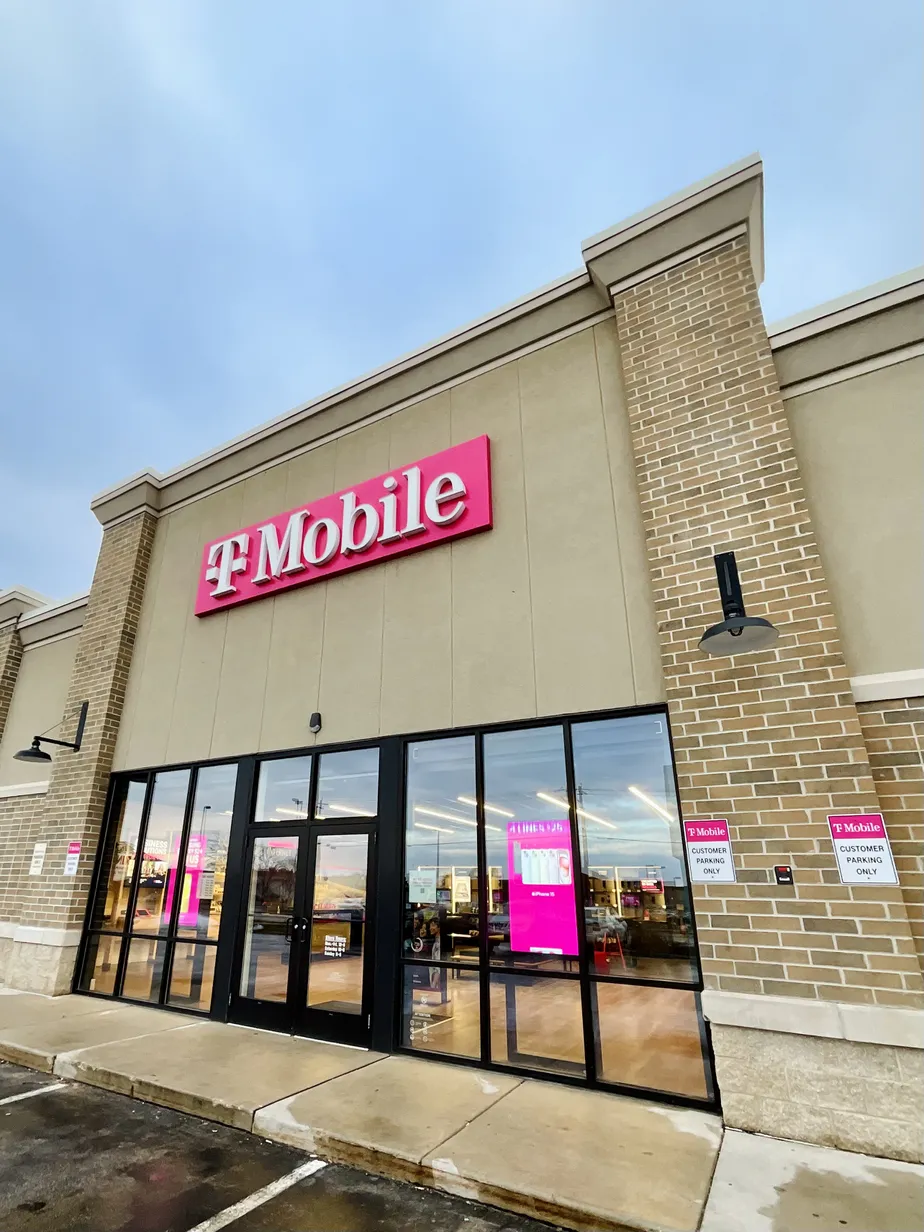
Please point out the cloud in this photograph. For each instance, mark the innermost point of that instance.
(218, 210)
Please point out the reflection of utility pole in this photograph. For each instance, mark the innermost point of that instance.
(582, 821)
(300, 804)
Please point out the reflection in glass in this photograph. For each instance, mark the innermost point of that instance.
(536, 1022)
(282, 789)
(649, 1037)
(338, 923)
(528, 840)
(160, 856)
(270, 906)
(636, 900)
(441, 851)
(112, 904)
(442, 1011)
(100, 967)
(192, 976)
(144, 969)
(202, 892)
(348, 784)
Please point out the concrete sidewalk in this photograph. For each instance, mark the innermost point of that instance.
(579, 1158)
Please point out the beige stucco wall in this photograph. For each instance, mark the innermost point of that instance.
(860, 445)
(38, 704)
(549, 612)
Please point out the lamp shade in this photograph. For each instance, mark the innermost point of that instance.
(33, 753)
(739, 635)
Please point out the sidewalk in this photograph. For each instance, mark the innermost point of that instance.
(579, 1158)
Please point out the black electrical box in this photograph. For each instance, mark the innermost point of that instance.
(783, 874)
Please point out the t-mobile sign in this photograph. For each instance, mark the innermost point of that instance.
(709, 851)
(862, 850)
(441, 497)
(541, 887)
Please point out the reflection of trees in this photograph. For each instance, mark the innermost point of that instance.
(273, 875)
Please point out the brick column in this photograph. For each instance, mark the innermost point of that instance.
(772, 741)
(10, 659)
(54, 905)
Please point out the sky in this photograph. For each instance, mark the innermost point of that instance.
(212, 211)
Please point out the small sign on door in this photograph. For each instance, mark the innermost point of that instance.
(710, 852)
(861, 848)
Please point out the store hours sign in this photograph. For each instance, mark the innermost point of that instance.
(862, 850)
(416, 506)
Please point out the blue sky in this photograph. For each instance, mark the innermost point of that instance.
(213, 210)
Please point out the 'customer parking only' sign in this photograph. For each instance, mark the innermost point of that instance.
(862, 851)
(709, 849)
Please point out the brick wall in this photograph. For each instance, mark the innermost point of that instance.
(894, 735)
(772, 741)
(20, 828)
(73, 807)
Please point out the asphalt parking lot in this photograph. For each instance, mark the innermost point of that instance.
(77, 1159)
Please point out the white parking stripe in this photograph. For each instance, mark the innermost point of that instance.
(230, 1213)
(52, 1086)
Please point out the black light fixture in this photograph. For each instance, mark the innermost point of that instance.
(36, 753)
(314, 723)
(738, 633)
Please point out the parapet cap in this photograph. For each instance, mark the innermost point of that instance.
(729, 202)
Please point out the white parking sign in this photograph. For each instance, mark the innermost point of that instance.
(861, 848)
(709, 850)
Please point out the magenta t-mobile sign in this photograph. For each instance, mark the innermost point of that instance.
(541, 887)
(418, 506)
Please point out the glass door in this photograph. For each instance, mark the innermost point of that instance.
(305, 943)
(335, 943)
(271, 932)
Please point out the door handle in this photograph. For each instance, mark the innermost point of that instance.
(290, 923)
(303, 926)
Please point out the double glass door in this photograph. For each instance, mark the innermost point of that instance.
(305, 949)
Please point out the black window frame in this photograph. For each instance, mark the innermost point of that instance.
(587, 980)
(167, 938)
(389, 963)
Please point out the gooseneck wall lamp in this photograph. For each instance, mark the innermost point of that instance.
(36, 753)
(738, 633)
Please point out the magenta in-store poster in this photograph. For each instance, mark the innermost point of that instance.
(540, 873)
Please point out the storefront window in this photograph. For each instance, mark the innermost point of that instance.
(119, 861)
(283, 786)
(441, 852)
(533, 922)
(206, 864)
(441, 908)
(442, 1010)
(592, 969)
(162, 884)
(536, 1022)
(101, 965)
(348, 784)
(649, 1037)
(637, 915)
(144, 969)
(192, 976)
(160, 853)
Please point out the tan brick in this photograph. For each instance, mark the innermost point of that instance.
(716, 470)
